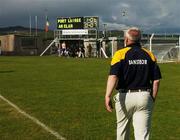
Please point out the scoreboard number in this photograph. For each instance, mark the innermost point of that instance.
(90, 22)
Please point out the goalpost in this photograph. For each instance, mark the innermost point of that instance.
(104, 53)
(164, 50)
(54, 41)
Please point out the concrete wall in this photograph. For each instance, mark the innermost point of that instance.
(20, 45)
(7, 43)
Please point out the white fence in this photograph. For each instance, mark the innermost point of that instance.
(165, 52)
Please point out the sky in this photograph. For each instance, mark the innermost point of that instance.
(148, 15)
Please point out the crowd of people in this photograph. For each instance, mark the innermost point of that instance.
(74, 50)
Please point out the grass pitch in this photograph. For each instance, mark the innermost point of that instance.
(68, 96)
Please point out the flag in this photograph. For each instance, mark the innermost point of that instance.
(47, 24)
(36, 25)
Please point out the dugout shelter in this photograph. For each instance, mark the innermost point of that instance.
(78, 31)
(81, 31)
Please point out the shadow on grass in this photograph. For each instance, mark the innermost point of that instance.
(6, 71)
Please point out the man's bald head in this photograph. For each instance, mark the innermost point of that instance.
(133, 34)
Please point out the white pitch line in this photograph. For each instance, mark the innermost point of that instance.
(45, 127)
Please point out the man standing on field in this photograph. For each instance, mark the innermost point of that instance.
(136, 76)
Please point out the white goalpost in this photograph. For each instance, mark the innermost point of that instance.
(54, 41)
(104, 53)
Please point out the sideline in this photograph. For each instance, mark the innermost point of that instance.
(45, 127)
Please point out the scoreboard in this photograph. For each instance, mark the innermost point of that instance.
(64, 23)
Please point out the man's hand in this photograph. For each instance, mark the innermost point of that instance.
(155, 88)
(108, 104)
(111, 83)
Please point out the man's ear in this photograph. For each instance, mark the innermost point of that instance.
(125, 41)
